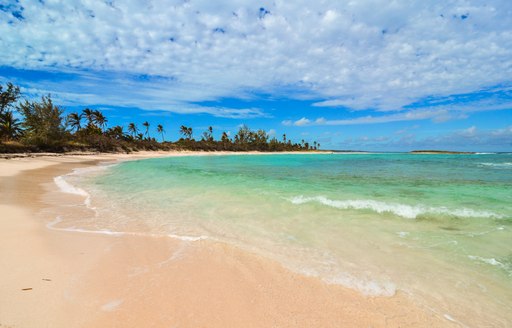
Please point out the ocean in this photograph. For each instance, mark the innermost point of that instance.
(437, 228)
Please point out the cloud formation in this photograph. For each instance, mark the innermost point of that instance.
(469, 139)
(366, 54)
(437, 110)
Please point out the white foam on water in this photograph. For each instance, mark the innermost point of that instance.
(366, 287)
(491, 261)
(402, 234)
(188, 238)
(476, 234)
(450, 318)
(68, 188)
(51, 225)
(499, 165)
(403, 210)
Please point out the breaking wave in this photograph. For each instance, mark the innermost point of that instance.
(403, 210)
(68, 188)
(497, 165)
(494, 262)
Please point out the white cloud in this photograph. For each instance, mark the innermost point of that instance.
(506, 132)
(407, 129)
(302, 122)
(469, 132)
(475, 138)
(436, 114)
(470, 139)
(345, 53)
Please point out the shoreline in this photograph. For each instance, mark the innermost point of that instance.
(155, 153)
(93, 280)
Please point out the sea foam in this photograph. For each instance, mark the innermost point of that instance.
(68, 188)
(366, 287)
(506, 165)
(492, 261)
(403, 210)
(52, 226)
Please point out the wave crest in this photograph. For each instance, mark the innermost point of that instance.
(496, 165)
(403, 210)
(68, 188)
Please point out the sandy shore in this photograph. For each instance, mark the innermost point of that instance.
(52, 278)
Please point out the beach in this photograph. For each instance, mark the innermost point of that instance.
(77, 279)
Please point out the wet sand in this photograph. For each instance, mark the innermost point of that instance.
(51, 278)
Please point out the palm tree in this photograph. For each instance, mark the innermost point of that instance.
(183, 131)
(75, 121)
(146, 124)
(89, 116)
(115, 132)
(160, 129)
(208, 134)
(186, 132)
(132, 128)
(100, 119)
(10, 127)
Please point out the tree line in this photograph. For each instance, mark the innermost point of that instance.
(43, 126)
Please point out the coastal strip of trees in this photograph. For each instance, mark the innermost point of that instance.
(42, 126)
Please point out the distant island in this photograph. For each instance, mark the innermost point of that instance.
(444, 152)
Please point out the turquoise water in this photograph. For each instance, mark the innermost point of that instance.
(435, 227)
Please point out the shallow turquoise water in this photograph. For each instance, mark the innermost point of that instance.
(437, 227)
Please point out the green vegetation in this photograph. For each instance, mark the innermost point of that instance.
(35, 126)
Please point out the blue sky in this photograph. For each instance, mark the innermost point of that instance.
(362, 75)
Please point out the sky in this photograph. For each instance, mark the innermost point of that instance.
(376, 75)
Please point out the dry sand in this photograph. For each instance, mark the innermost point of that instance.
(54, 278)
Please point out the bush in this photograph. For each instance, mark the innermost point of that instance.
(43, 123)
